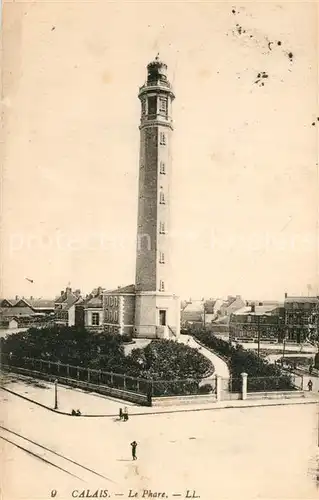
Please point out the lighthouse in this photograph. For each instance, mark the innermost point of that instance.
(157, 309)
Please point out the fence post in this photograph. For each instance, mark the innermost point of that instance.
(138, 385)
(124, 382)
(68, 370)
(89, 374)
(99, 377)
(112, 378)
(218, 387)
(244, 386)
(301, 383)
(77, 372)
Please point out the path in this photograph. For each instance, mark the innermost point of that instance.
(221, 367)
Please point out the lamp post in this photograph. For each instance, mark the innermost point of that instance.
(56, 394)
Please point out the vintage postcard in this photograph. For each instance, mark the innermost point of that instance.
(159, 293)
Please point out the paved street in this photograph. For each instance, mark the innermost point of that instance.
(224, 454)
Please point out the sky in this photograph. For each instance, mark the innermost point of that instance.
(245, 145)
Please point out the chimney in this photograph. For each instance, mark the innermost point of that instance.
(77, 292)
(62, 293)
(286, 295)
(31, 298)
(68, 290)
(253, 308)
(17, 297)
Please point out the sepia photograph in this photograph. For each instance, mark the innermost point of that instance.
(159, 273)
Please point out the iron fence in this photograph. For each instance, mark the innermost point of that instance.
(78, 373)
(265, 384)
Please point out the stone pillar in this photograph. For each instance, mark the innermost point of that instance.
(218, 387)
(244, 386)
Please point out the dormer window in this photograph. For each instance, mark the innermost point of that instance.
(162, 228)
(162, 168)
(162, 286)
(161, 258)
(162, 198)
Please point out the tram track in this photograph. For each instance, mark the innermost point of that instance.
(50, 457)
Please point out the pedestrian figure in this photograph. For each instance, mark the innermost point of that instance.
(121, 413)
(310, 385)
(125, 414)
(134, 445)
(78, 413)
(310, 369)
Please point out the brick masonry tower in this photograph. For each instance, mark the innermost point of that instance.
(157, 310)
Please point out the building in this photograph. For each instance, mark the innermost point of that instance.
(89, 312)
(149, 309)
(231, 305)
(192, 314)
(64, 307)
(157, 309)
(25, 312)
(119, 310)
(301, 318)
(252, 322)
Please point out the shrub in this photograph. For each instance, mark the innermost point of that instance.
(205, 389)
(241, 361)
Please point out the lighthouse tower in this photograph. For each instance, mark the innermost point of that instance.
(157, 309)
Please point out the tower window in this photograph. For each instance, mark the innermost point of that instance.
(162, 286)
(162, 228)
(143, 107)
(163, 105)
(162, 198)
(152, 103)
(162, 168)
(162, 258)
(162, 138)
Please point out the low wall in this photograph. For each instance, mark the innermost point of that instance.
(183, 400)
(275, 395)
(133, 397)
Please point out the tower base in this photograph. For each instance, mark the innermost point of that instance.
(157, 315)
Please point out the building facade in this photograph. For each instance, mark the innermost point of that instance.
(157, 309)
(301, 315)
(252, 322)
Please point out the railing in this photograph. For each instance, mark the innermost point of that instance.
(270, 384)
(172, 331)
(62, 370)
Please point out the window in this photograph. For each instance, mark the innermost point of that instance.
(162, 317)
(163, 105)
(162, 258)
(143, 106)
(152, 105)
(162, 198)
(115, 316)
(111, 301)
(106, 301)
(95, 319)
(162, 228)
(162, 288)
(162, 138)
(115, 301)
(162, 168)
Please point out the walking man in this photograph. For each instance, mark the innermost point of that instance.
(134, 445)
(121, 413)
(310, 385)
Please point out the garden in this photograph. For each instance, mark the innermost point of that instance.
(170, 367)
(262, 375)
